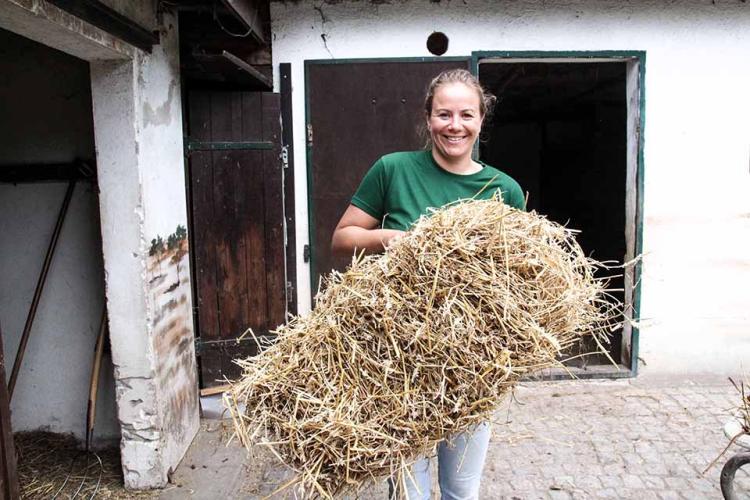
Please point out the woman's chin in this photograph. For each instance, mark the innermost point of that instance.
(454, 154)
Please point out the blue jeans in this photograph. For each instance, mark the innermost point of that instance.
(460, 464)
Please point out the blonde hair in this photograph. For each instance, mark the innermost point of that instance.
(486, 100)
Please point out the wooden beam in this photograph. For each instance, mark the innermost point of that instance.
(212, 391)
(232, 68)
(104, 17)
(247, 11)
(51, 172)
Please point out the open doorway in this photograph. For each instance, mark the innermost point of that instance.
(567, 131)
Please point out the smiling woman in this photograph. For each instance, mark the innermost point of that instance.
(395, 192)
(402, 186)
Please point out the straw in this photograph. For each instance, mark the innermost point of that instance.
(407, 348)
(52, 465)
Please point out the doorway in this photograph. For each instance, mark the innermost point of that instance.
(568, 130)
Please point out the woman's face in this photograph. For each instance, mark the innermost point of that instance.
(455, 121)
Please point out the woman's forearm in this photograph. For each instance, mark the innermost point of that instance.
(347, 240)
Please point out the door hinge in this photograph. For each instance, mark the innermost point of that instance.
(285, 156)
(198, 346)
(289, 292)
(306, 253)
(309, 134)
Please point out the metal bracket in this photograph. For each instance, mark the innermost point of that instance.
(285, 156)
(227, 145)
(306, 253)
(289, 292)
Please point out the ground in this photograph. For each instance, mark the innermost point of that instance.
(643, 438)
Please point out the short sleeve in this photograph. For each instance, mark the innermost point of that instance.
(370, 195)
(516, 198)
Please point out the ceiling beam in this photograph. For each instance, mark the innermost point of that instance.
(247, 11)
(103, 17)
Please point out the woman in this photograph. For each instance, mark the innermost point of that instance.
(398, 189)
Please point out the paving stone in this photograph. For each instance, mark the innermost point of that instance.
(670, 495)
(639, 438)
(607, 493)
(653, 482)
(559, 495)
(611, 481)
(632, 481)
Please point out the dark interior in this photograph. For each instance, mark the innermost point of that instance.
(559, 129)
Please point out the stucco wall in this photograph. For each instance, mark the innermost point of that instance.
(695, 296)
(138, 129)
(47, 119)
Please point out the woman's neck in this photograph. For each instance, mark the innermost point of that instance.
(461, 166)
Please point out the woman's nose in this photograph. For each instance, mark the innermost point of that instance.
(454, 122)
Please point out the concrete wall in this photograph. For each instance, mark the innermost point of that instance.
(47, 118)
(138, 129)
(697, 154)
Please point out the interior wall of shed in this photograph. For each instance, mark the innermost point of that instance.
(559, 129)
(47, 118)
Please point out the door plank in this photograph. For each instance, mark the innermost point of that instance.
(358, 112)
(237, 205)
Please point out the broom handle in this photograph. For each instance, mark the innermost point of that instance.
(39, 287)
(94, 385)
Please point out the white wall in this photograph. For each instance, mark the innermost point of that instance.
(138, 130)
(46, 118)
(695, 296)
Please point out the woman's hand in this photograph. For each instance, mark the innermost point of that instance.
(357, 230)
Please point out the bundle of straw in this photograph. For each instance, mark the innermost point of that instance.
(422, 342)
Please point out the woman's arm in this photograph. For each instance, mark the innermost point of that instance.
(357, 230)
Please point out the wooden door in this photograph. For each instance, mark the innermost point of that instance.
(357, 111)
(237, 213)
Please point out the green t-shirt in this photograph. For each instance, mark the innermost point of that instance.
(400, 187)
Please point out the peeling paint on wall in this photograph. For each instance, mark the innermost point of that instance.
(162, 115)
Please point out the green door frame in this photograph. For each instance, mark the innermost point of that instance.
(582, 56)
(473, 60)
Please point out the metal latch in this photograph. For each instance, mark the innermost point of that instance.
(289, 292)
(306, 253)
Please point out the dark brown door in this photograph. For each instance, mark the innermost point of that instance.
(357, 112)
(237, 213)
